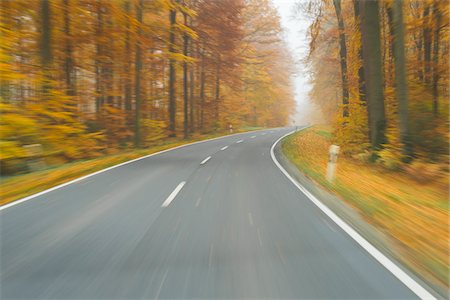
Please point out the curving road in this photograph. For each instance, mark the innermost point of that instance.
(216, 219)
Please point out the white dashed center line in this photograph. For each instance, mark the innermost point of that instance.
(205, 160)
(223, 148)
(253, 136)
(240, 141)
(173, 194)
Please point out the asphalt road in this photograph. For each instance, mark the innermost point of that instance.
(237, 228)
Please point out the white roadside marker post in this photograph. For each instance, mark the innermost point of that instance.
(332, 161)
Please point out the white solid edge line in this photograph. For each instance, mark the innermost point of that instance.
(112, 167)
(205, 160)
(415, 287)
(223, 148)
(173, 194)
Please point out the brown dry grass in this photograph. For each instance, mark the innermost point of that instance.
(414, 214)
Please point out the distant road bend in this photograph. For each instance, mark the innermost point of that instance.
(216, 219)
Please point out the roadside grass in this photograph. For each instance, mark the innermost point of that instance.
(415, 215)
(20, 186)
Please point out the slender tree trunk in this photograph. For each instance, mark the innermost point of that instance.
(427, 44)
(361, 80)
(191, 87)
(342, 57)
(5, 86)
(98, 59)
(45, 45)
(436, 43)
(127, 88)
(172, 100)
(217, 97)
(68, 63)
(109, 63)
(185, 81)
(370, 25)
(401, 87)
(202, 90)
(138, 68)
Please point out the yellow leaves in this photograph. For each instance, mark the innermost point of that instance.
(11, 149)
(186, 29)
(153, 130)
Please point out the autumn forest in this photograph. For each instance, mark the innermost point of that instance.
(82, 78)
(379, 73)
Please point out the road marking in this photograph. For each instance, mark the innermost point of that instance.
(253, 136)
(240, 141)
(18, 201)
(401, 275)
(208, 179)
(250, 218)
(173, 194)
(198, 201)
(263, 133)
(205, 160)
(223, 148)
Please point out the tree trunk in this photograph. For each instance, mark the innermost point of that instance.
(370, 28)
(436, 43)
(172, 100)
(361, 80)
(98, 60)
(45, 45)
(427, 44)
(217, 97)
(5, 85)
(138, 68)
(390, 73)
(68, 64)
(191, 88)
(127, 87)
(401, 87)
(342, 57)
(202, 89)
(185, 81)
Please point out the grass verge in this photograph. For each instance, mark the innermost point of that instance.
(414, 215)
(20, 186)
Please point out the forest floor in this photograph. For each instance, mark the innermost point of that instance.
(20, 186)
(414, 215)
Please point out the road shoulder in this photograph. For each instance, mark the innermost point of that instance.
(349, 215)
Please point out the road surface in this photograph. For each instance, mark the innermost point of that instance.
(211, 220)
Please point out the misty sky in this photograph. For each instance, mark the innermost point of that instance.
(295, 32)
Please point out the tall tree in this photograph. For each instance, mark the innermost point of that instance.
(127, 85)
(361, 80)
(342, 57)
(138, 68)
(46, 45)
(172, 75)
(99, 58)
(427, 43)
(68, 63)
(436, 45)
(185, 80)
(401, 87)
(370, 29)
